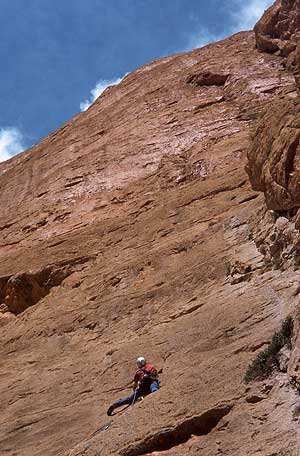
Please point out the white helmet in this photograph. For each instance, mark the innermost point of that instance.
(140, 362)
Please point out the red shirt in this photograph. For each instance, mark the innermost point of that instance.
(149, 369)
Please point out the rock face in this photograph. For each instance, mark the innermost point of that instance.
(274, 158)
(133, 230)
(275, 154)
(279, 31)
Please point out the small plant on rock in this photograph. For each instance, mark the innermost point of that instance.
(267, 361)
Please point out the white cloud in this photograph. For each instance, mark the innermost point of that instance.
(202, 38)
(11, 142)
(242, 15)
(246, 14)
(98, 89)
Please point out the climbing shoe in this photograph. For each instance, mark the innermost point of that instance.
(110, 410)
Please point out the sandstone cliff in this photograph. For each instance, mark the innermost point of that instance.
(134, 230)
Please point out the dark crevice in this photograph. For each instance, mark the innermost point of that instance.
(289, 167)
(7, 225)
(248, 198)
(23, 290)
(170, 438)
(20, 427)
(207, 79)
(207, 103)
(187, 311)
(73, 183)
(223, 189)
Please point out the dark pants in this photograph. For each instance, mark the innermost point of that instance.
(154, 386)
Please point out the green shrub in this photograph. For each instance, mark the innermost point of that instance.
(266, 361)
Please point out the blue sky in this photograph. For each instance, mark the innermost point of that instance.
(58, 55)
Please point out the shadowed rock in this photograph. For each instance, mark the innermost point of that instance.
(165, 440)
(279, 31)
(207, 79)
(149, 186)
(274, 157)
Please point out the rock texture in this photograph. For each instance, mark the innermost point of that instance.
(279, 31)
(133, 230)
(274, 156)
(274, 165)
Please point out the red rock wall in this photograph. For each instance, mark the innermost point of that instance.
(274, 157)
(133, 230)
(279, 31)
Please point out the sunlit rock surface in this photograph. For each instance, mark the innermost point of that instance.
(134, 230)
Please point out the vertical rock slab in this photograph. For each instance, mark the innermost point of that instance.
(279, 31)
(274, 157)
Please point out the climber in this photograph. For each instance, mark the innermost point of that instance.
(145, 382)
